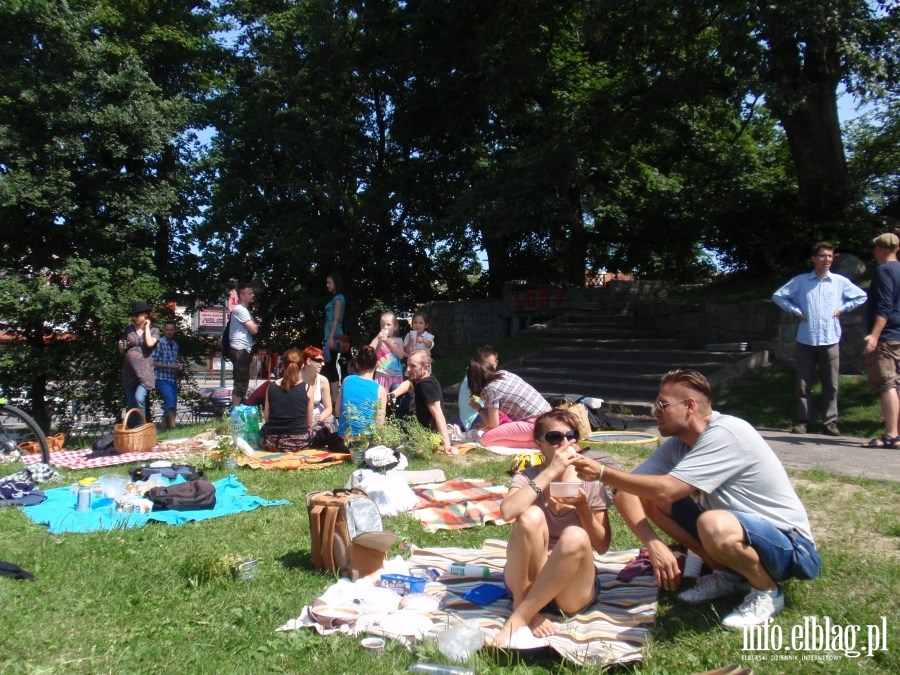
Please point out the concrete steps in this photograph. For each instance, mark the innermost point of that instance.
(611, 358)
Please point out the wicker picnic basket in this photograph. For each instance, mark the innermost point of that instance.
(138, 439)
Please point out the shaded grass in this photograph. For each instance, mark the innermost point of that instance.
(766, 398)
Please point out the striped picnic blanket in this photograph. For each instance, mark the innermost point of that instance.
(459, 504)
(612, 630)
(290, 461)
(77, 459)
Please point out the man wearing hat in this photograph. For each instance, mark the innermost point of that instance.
(137, 343)
(818, 298)
(882, 348)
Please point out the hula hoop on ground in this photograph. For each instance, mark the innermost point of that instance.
(621, 437)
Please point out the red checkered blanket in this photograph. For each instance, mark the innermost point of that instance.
(76, 459)
(459, 504)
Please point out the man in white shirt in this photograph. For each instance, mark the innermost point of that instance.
(243, 328)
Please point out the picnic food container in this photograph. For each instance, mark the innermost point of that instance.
(564, 489)
(402, 584)
(373, 644)
(113, 485)
(331, 615)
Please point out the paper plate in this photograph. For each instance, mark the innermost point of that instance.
(421, 602)
(405, 623)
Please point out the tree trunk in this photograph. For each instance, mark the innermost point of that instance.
(804, 73)
(576, 245)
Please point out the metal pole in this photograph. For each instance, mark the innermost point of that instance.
(224, 326)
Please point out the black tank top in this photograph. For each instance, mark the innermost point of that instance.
(287, 411)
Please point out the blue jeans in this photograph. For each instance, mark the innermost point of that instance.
(135, 397)
(783, 554)
(169, 392)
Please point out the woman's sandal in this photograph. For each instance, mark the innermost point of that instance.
(884, 442)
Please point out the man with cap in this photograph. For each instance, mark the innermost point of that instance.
(882, 342)
(818, 298)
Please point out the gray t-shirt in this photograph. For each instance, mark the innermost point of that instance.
(736, 470)
(239, 336)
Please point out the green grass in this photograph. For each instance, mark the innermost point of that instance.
(153, 599)
(766, 397)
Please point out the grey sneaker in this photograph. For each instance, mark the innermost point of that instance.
(712, 586)
(757, 608)
(831, 429)
(799, 428)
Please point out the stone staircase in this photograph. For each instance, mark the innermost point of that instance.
(609, 357)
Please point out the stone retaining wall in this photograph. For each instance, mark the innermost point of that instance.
(471, 323)
(760, 323)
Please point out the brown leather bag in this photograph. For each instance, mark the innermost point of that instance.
(336, 525)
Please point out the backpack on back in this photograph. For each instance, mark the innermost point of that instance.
(346, 531)
(225, 340)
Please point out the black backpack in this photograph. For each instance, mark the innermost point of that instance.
(225, 340)
(194, 495)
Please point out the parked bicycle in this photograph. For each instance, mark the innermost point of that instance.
(18, 431)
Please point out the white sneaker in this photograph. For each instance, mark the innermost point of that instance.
(757, 607)
(712, 586)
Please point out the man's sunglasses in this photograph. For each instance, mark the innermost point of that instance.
(557, 437)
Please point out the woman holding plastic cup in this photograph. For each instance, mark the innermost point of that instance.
(550, 562)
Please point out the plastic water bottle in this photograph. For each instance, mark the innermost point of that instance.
(439, 669)
(237, 424)
(468, 570)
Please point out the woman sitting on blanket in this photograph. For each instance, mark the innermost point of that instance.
(290, 413)
(505, 392)
(313, 362)
(550, 562)
(363, 400)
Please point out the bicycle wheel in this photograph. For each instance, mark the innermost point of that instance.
(17, 428)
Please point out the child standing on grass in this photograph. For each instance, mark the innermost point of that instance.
(389, 352)
(419, 337)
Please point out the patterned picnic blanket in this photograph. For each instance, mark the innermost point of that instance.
(77, 459)
(612, 630)
(459, 504)
(291, 461)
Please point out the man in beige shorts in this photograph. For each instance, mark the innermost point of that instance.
(882, 342)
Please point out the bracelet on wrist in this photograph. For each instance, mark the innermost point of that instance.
(602, 469)
(537, 488)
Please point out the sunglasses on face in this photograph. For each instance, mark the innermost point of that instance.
(318, 359)
(557, 437)
(660, 406)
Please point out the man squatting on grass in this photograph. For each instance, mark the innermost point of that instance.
(749, 525)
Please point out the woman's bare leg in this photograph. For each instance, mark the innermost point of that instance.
(567, 576)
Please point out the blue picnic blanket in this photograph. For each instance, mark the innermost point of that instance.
(59, 514)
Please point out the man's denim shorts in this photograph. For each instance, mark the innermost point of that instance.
(774, 547)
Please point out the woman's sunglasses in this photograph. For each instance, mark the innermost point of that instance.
(318, 359)
(557, 437)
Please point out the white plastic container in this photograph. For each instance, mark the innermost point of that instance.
(564, 489)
